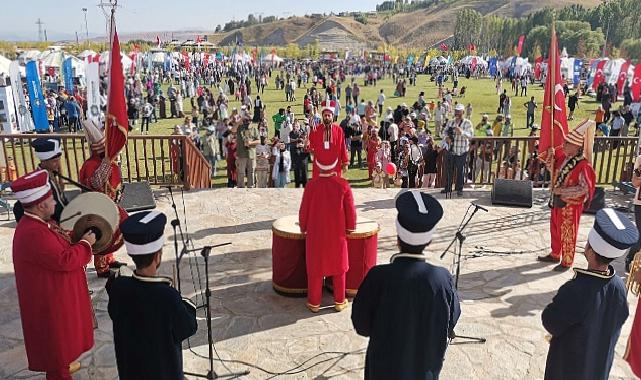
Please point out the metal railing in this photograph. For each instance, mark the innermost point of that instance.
(159, 160)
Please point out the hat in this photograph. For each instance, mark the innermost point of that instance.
(325, 166)
(485, 116)
(418, 214)
(143, 232)
(612, 234)
(578, 134)
(46, 149)
(94, 134)
(459, 107)
(328, 105)
(413, 115)
(32, 188)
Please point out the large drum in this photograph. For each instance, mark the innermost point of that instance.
(289, 273)
(362, 246)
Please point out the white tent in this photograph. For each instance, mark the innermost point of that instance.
(157, 57)
(104, 61)
(272, 58)
(86, 53)
(29, 55)
(479, 61)
(4, 64)
(53, 59)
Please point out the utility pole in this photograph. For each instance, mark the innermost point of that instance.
(107, 7)
(607, 30)
(86, 27)
(40, 24)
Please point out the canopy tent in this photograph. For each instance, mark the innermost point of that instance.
(104, 62)
(29, 55)
(470, 58)
(4, 64)
(53, 59)
(272, 58)
(86, 53)
(518, 64)
(157, 57)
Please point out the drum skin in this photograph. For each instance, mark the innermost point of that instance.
(289, 274)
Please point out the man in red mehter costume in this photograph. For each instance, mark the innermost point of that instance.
(573, 189)
(327, 141)
(326, 213)
(100, 174)
(55, 307)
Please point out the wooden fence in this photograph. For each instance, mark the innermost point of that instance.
(612, 159)
(159, 160)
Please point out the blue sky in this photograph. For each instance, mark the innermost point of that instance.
(66, 16)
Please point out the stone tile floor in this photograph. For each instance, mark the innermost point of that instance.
(502, 286)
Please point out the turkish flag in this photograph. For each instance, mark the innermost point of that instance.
(473, 64)
(599, 77)
(538, 62)
(623, 76)
(117, 126)
(519, 47)
(554, 121)
(636, 83)
(186, 59)
(444, 47)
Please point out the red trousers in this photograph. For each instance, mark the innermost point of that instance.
(315, 289)
(564, 227)
(62, 374)
(101, 262)
(633, 351)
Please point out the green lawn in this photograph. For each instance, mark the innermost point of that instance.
(480, 93)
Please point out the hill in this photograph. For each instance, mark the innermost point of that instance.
(422, 28)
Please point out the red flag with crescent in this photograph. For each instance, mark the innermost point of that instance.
(636, 83)
(117, 124)
(519, 47)
(554, 121)
(623, 76)
(598, 76)
(538, 62)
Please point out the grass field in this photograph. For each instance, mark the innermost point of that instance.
(480, 93)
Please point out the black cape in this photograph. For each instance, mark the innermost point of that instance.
(150, 321)
(585, 319)
(407, 309)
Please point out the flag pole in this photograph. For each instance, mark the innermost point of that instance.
(552, 95)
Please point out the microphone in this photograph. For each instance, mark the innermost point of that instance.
(175, 222)
(480, 207)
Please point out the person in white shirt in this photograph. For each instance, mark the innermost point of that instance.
(392, 133)
(380, 102)
(458, 131)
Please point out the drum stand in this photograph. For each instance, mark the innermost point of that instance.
(457, 259)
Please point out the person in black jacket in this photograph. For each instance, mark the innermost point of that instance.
(586, 315)
(407, 308)
(150, 319)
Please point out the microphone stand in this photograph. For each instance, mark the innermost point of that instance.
(457, 257)
(205, 251)
(211, 374)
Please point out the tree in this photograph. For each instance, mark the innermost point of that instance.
(218, 29)
(631, 49)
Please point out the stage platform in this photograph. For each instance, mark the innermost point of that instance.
(502, 286)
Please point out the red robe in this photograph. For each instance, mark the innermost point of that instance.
(326, 213)
(564, 221)
(109, 183)
(336, 149)
(55, 308)
(633, 352)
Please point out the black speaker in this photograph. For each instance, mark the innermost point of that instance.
(137, 196)
(598, 201)
(511, 192)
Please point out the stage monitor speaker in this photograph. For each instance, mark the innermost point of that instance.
(598, 201)
(511, 192)
(137, 196)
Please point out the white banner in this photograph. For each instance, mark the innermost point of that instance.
(25, 123)
(93, 91)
